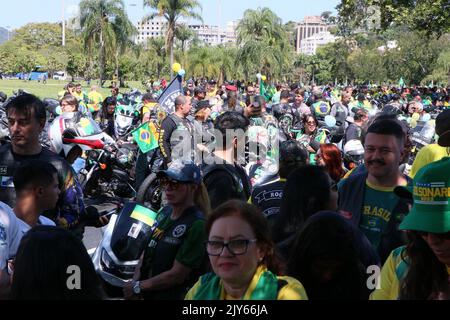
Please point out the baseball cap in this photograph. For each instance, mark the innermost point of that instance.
(182, 171)
(203, 104)
(443, 128)
(430, 194)
(231, 88)
(199, 90)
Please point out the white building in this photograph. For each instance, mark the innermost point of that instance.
(307, 28)
(309, 45)
(231, 31)
(211, 35)
(153, 28)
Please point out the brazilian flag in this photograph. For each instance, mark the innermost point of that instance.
(263, 91)
(145, 139)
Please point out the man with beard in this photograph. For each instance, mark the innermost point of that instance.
(367, 199)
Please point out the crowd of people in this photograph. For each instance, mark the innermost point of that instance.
(335, 187)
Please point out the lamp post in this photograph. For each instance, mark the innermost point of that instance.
(63, 23)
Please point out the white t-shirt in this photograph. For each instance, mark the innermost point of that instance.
(10, 234)
(24, 227)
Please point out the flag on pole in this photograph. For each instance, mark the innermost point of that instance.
(401, 83)
(145, 138)
(173, 90)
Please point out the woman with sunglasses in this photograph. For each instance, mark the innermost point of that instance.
(421, 269)
(243, 258)
(175, 257)
(311, 138)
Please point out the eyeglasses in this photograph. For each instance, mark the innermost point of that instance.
(440, 236)
(167, 184)
(235, 247)
(311, 123)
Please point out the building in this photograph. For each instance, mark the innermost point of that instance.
(211, 35)
(153, 28)
(307, 28)
(309, 45)
(231, 31)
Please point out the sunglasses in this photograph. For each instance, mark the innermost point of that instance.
(167, 184)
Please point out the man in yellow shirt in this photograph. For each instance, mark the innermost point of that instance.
(434, 152)
(95, 99)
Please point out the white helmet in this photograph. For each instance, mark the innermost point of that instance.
(73, 129)
(354, 148)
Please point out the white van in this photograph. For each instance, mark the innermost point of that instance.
(60, 75)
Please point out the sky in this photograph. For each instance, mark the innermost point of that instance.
(16, 13)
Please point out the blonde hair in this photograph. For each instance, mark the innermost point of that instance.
(201, 199)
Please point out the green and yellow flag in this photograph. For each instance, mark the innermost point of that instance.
(145, 138)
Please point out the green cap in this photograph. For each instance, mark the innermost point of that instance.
(431, 199)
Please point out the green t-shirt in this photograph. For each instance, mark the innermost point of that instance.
(192, 250)
(379, 204)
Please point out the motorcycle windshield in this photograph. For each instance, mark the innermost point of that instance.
(87, 127)
(132, 231)
(124, 122)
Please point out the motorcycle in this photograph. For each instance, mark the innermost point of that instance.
(124, 241)
(150, 192)
(109, 171)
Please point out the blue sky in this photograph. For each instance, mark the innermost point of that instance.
(16, 13)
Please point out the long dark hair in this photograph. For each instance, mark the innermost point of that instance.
(41, 267)
(306, 192)
(426, 275)
(258, 222)
(325, 237)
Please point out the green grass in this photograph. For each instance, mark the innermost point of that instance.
(53, 87)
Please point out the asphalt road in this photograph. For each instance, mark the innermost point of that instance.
(92, 237)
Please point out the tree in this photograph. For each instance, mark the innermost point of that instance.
(431, 16)
(104, 22)
(263, 43)
(156, 55)
(76, 65)
(173, 11)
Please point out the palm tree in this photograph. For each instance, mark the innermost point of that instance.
(173, 10)
(157, 54)
(184, 34)
(105, 22)
(263, 43)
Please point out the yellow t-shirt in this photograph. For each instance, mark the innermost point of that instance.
(293, 290)
(392, 272)
(95, 101)
(426, 155)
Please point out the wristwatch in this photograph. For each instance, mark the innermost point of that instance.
(137, 288)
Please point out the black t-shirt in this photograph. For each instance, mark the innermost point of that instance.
(268, 197)
(226, 182)
(353, 132)
(70, 205)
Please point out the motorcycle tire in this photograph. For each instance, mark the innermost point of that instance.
(142, 195)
